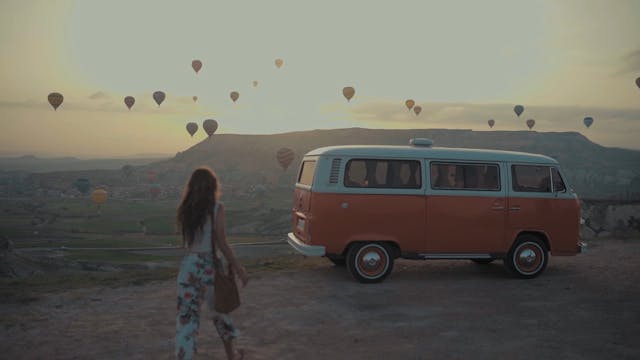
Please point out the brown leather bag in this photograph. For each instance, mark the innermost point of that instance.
(226, 296)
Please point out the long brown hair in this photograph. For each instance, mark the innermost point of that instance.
(198, 200)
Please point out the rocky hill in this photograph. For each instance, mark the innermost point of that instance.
(593, 170)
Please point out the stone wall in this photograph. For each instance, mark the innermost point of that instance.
(608, 218)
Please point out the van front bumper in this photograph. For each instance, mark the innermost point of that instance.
(304, 249)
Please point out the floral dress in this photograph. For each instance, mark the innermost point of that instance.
(195, 286)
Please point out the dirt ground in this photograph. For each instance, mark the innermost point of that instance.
(583, 307)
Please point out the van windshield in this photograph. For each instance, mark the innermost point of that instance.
(306, 172)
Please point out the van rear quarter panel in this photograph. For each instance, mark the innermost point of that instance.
(557, 218)
(367, 217)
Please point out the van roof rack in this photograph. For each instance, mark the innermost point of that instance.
(422, 142)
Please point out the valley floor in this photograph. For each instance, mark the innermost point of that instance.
(583, 307)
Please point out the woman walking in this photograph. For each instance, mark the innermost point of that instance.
(198, 212)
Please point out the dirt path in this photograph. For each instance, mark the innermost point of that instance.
(584, 307)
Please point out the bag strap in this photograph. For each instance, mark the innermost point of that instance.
(216, 260)
(217, 265)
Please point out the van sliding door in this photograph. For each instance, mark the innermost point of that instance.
(466, 208)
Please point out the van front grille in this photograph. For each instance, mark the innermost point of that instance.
(335, 171)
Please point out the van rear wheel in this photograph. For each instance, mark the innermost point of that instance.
(369, 262)
(528, 256)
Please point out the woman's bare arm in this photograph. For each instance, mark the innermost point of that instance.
(222, 244)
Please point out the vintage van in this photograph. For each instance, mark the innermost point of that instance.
(365, 206)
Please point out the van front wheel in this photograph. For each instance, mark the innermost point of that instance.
(528, 257)
(369, 262)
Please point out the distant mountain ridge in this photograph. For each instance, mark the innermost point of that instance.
(591, 168)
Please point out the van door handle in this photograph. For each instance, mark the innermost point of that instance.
(515, 208)
(497, 208)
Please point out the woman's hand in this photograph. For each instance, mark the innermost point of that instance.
(241, 272)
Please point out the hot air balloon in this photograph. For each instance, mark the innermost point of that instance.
(518, 109)
(154, 190)
(285, 157)
(195, 98)
(127, 170)
(55, 99)
(210, 126)
(255, 83)
(417, 109)
(99, 196)
(152, 176)
(491, 122)
(409, 104)
(192, 128)
(234, 96)
(196, 65)
(531, 123)
(129, 101)
(348, 92)
(159, 97)
(83, 185)
(279, 63)
(588, 121)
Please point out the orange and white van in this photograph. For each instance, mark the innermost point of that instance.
(368, 205)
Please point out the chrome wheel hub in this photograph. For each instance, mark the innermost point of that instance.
(371, 260)
(528, 256)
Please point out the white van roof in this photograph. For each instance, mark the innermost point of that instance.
(382, 151)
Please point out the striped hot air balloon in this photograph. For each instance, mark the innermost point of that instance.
(285, 157)
(196, 65)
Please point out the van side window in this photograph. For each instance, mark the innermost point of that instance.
(397, 174)
(465, 176)
(306, 172)
(558, 184)
(531, 178)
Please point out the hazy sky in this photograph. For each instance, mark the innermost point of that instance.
(464, 62)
